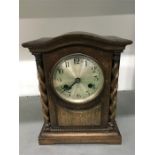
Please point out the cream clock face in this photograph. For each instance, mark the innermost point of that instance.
(77, 78)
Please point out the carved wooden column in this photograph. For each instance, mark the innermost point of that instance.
(114, 86)
(42, 89)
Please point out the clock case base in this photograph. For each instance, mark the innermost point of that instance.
(110, 135)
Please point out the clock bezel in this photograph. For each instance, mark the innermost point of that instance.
(72, 105)
(67, 57)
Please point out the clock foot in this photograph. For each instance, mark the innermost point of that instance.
(60, 136)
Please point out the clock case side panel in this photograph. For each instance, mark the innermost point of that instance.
(114, 85)
(105, 60)
(45, 100)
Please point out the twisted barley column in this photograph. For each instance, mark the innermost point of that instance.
(43, 93)
(113, 90)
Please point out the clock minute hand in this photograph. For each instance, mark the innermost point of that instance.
(77, 80)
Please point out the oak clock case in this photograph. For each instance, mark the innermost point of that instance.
(78, 79)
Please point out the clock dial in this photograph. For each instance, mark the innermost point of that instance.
(77, 78)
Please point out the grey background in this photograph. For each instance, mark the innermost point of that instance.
(31, 122)
(74, 8)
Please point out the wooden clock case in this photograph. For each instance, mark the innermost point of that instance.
(92, 122)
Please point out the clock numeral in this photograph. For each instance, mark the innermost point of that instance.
(59, 79)
(94, 68)
(67, 64)
(76, 60)
(69, 93)
(79, 96)
(88, 92)
(96, 77)
(60, 71)
(86, 63)
(61, 88)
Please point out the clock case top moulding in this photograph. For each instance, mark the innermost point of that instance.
(63, 124)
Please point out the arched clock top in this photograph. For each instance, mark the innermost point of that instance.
(108, 43)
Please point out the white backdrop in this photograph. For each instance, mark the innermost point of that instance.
(34, 28)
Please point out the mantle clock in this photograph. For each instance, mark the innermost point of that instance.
(78, 79)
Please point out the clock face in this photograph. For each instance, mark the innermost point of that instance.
(77, 78)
